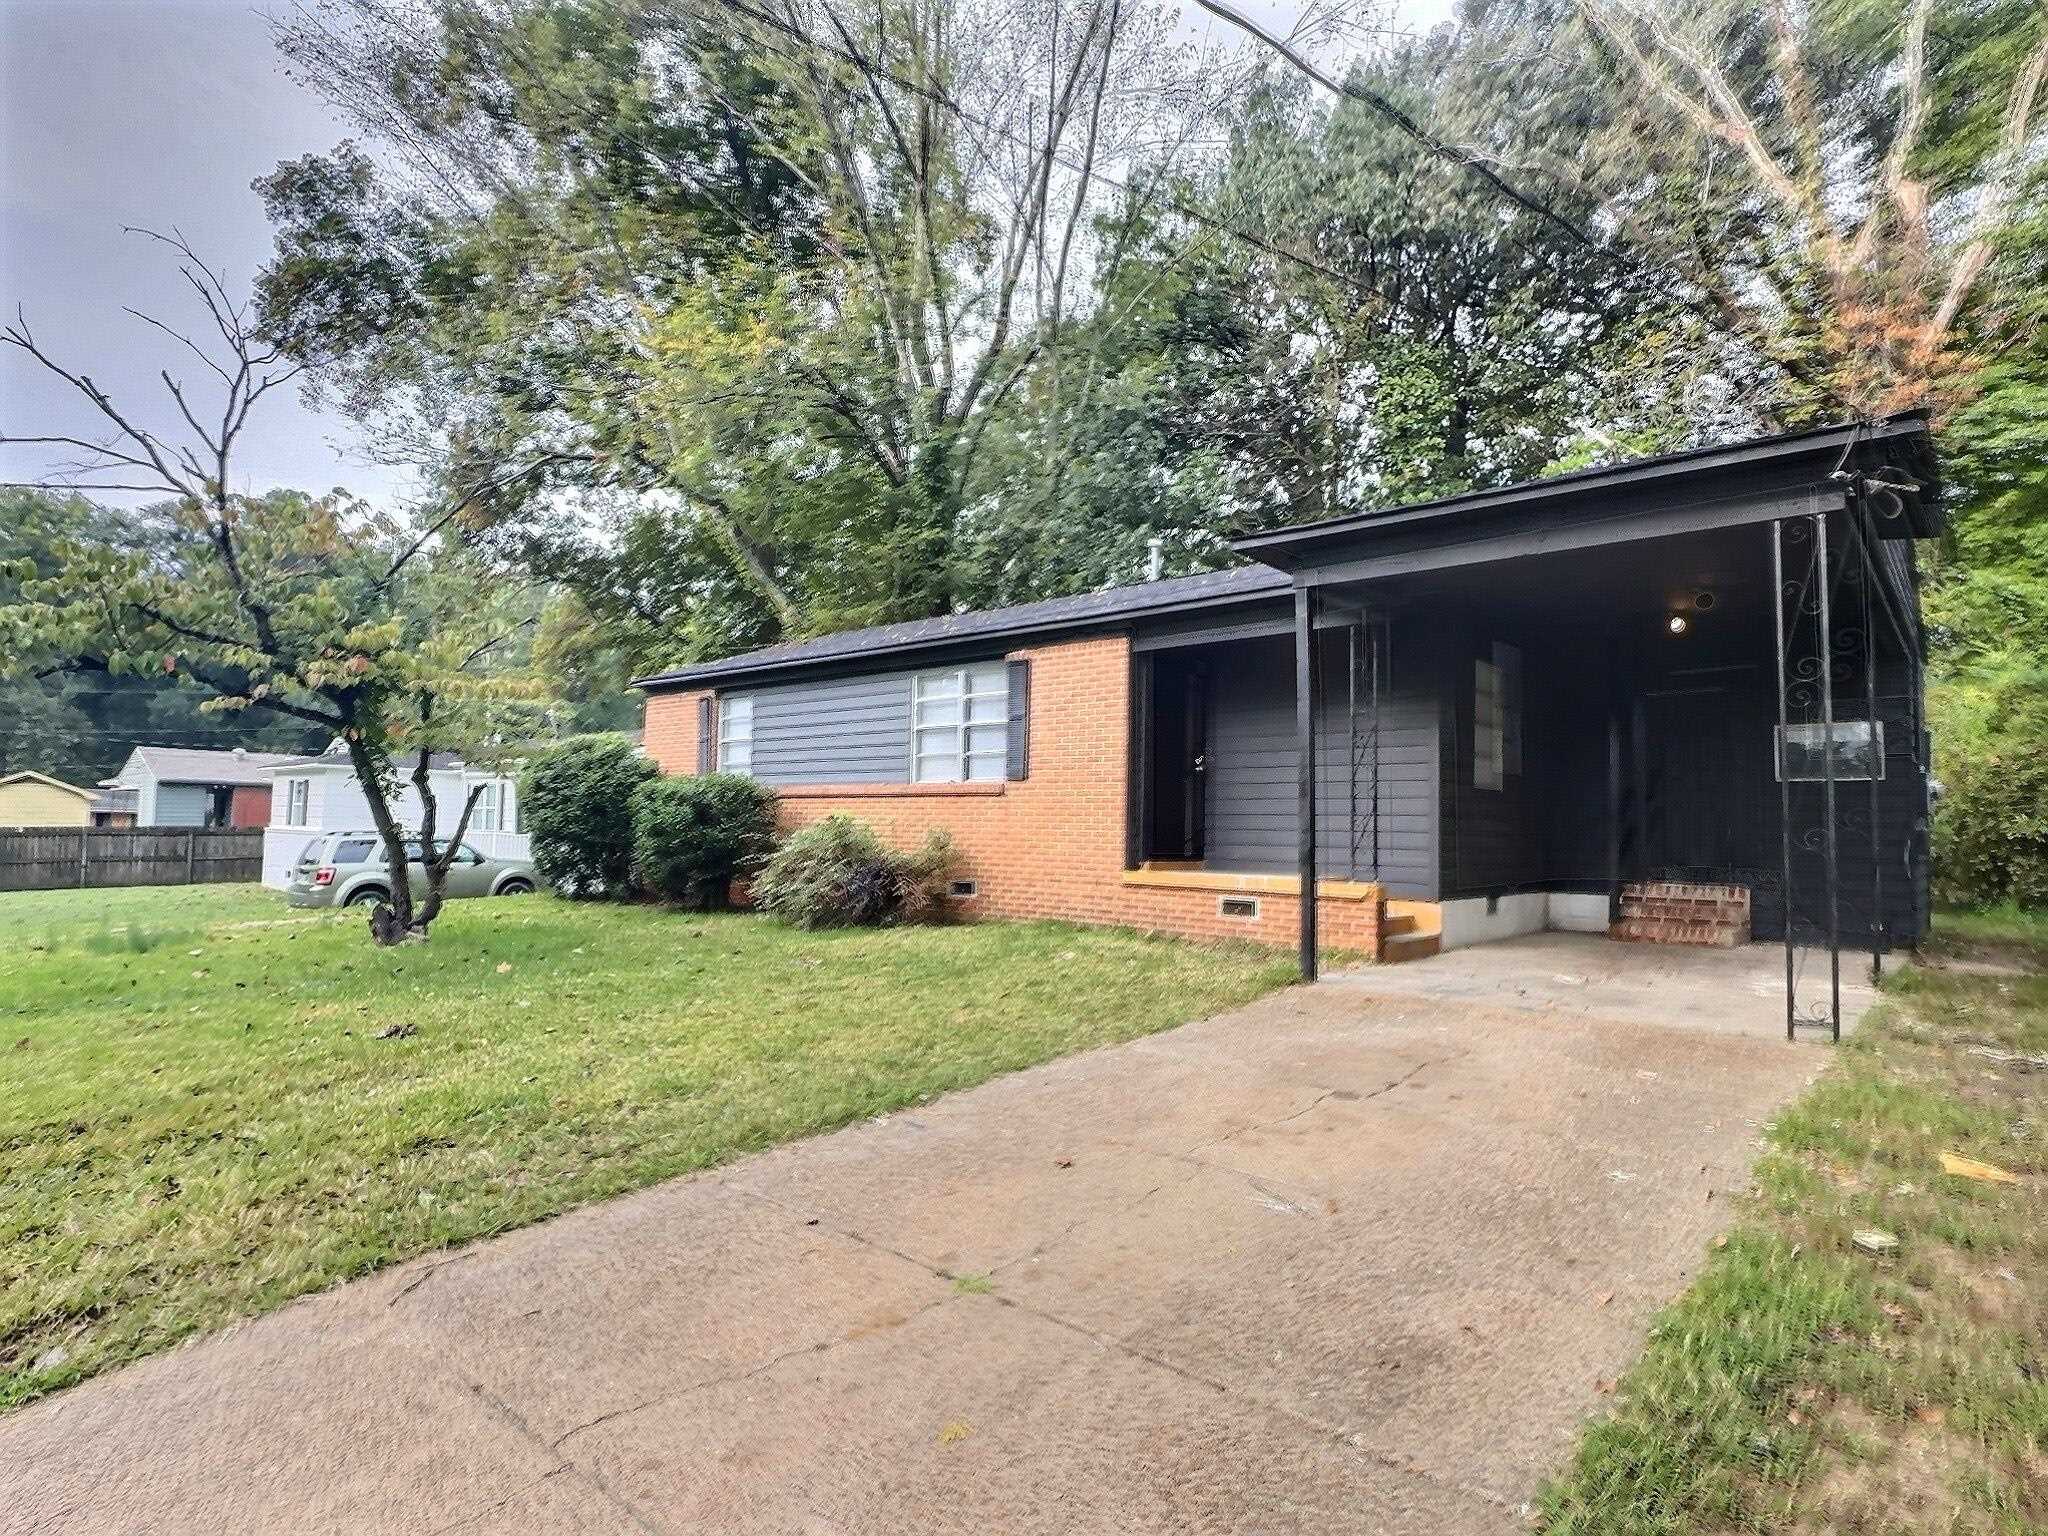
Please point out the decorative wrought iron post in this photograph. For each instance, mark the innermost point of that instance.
(1305, 603)
(1827, 772)
(1784, 775)
(1875, 776)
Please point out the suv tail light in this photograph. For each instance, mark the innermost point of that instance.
(324, 875)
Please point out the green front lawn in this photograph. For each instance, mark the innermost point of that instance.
(1805, 1384)
(211, 1105)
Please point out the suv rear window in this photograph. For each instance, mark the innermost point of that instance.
(353, 850)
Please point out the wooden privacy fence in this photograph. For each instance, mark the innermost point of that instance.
(59, 858)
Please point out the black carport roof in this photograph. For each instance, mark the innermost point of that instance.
(1291, 548)
(1901, 441)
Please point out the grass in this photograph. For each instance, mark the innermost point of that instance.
(204, 1126)
(1805, 1385)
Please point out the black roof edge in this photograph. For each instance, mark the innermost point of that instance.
(1269, 551)
(1913, 423)
(1082, 613)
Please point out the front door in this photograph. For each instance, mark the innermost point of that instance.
(1195, 765)
(1706, 783)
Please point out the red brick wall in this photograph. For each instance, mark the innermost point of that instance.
(1050, 845)
(249, 806)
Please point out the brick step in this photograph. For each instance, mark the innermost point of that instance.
(1681, 912)
(1408, 946)
(1697, 911)
(1670, 930)
(1686, 890)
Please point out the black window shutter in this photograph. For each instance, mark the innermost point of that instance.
(1019, 765)
(707, 735)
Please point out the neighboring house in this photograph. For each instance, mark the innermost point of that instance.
(37, 800)
(186, 787)
(311, 795)
(114, 808)
(1552, 705)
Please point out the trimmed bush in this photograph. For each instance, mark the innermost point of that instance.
(1991, 826)
(691, 836)
(836, 873)
(573, 801)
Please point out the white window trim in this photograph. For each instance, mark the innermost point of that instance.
(735, 735)
(953, 685)
(1850, 738)
(298, 801)
(485, 818)
(1489, 727)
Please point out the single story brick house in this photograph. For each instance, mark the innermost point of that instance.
(1672, 699)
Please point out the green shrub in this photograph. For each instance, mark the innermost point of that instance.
(836, 873)
(574, 802)
(1991, 824)
(691, 836)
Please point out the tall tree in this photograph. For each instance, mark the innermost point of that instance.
(772, 269)
(1836, 180)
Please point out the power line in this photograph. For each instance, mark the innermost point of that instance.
(1403, 121)
(940, 98)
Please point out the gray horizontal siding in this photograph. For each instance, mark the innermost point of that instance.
(1253, 810)
(853, 730)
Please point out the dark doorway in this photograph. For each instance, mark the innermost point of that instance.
(1176, 828)
(1706, 778)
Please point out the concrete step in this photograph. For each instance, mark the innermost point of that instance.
(1394, 924)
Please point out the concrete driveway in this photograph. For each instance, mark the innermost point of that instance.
(1354, 1258)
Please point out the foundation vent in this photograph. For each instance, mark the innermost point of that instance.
(1238, 906)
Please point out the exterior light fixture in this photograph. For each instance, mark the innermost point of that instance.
(1678, 623)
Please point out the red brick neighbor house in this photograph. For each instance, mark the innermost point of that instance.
(1677, 700)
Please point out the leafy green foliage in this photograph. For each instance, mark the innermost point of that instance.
(835, 873)
(1991, 823)
(692, 835)
(79, 725)
(574, 802)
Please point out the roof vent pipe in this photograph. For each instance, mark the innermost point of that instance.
(1155, 559)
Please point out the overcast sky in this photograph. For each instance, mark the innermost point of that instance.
(160, 113)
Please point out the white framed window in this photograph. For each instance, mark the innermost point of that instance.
(735, 735)
(297, 794)
(960, 724)
(485, 817)
(1858, 752)
(1496, 717)
(1489, 728)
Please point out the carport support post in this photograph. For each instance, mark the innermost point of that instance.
(1827, 774)
(1305, 602)
(1777, 532)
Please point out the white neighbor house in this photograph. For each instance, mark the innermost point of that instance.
(312, 795)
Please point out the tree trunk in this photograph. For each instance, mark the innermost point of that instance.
(391, 920)
(435, 861)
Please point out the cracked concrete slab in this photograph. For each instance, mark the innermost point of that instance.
(1334, 1261)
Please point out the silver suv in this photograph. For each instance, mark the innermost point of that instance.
(347, 869)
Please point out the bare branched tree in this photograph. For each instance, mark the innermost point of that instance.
(318, 609)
